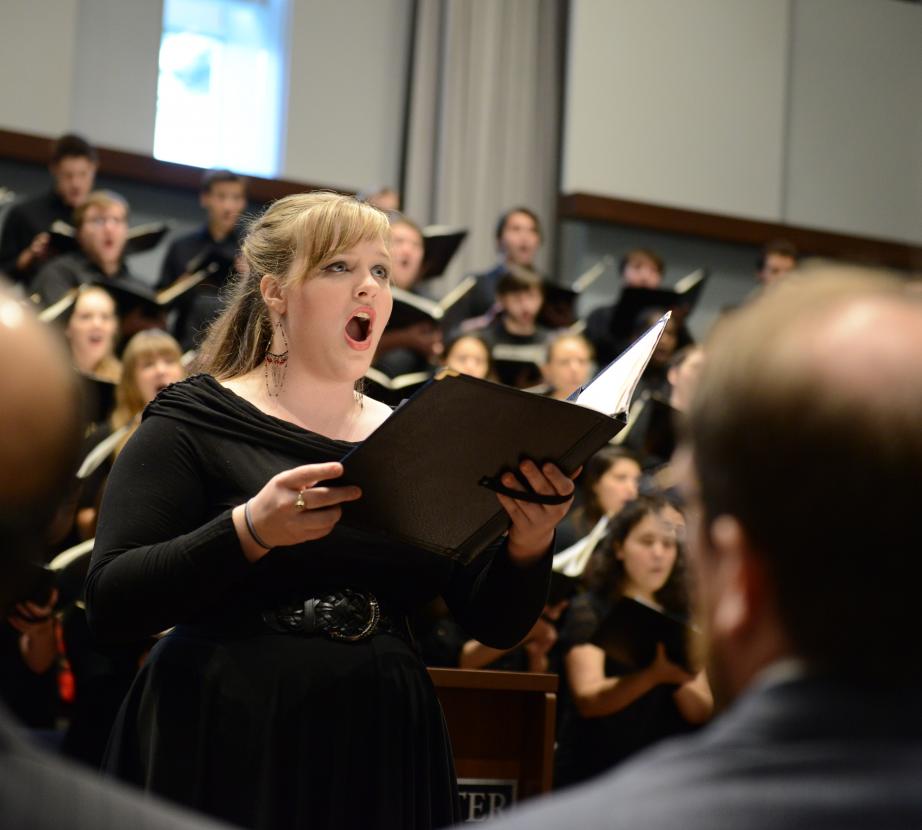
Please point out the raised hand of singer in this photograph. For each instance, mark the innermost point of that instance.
(291, 508)
(532, 529)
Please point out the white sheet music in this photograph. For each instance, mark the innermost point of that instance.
(572, 561)
(610, 391)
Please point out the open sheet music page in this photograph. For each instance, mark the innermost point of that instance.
(610, 391)
(572, 561)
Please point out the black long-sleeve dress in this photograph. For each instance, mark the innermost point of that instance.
(588, 746)
(264, 729)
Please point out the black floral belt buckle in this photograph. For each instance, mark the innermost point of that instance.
(347, 615)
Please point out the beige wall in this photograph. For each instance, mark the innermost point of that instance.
(36, 58)
(115, 72)
(671, 101)
(802, 111)
(346, 91)
(855, 130)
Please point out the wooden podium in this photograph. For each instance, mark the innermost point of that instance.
(502, 730)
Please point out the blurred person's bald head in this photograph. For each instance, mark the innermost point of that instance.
(805, 441)
(39, 428)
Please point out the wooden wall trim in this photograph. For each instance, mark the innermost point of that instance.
(135, 167)
(591, 208)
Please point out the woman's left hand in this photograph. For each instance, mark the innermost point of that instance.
(533, 524)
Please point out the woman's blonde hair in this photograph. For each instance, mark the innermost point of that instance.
(289, 241)
(102, 199)
(129, 402)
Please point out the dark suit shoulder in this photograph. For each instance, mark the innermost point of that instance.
(800, 755)
(41, 792)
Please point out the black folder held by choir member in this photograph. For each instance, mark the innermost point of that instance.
(130, 293)
(429, 473)
(140, 238)
(630, 632)
(651, 430)
(559, 307)
(410, 308)
(634, 301)
(440, 244)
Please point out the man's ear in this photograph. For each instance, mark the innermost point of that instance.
(740, 579)
(273, 293)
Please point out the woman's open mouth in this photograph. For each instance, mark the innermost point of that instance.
(358, 329)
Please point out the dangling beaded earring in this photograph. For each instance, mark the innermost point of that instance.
(275, 365)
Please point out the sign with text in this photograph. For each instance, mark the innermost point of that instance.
(485, 798)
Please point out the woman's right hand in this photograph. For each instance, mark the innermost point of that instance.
(667, 672)
(276, 516)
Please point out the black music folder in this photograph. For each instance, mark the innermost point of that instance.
(392, 390)
(130, 292)
(651, 431)
(633, 301)
(140, 238)
(410, 309)
(559, 308)
(440, 244)
(429, 474)
(98, 397)
(630, 632)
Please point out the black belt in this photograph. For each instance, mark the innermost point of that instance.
(346, 615)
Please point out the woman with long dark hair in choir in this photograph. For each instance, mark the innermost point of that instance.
(287, 692)
(614, 711)
(610, 479)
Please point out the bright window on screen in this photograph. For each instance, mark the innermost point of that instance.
(221, 87)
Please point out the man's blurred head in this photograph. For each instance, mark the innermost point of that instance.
(519, 292)
(407, 250)
(776, 261)
(223, 196)
(73, 166)
(642, 268)
(518, 236)
(39, 436)
(804, 467)
(102, 228)
(684, 369)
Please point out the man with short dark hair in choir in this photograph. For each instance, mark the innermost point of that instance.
(802, 471)
(638, 268)
(776, 260)
(518, 238)
(223, 196)
(518, 342)
(25, 242)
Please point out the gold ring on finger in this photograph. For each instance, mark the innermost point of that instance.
(300, 501)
